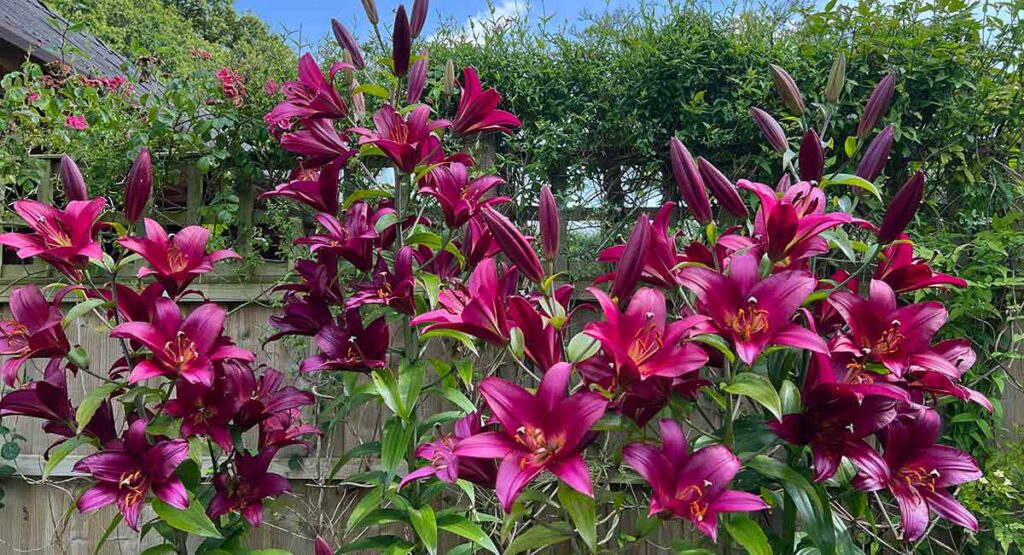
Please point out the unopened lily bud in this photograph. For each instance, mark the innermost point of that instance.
(877, 106)
(787, 89)
(417, 79)
(371, 11)
(722, 189)
(358, 102)
(514, 244)
(631, 263)
(836, 79)
(688, 179)
(449, 78)
(72, 180)
(902, 209)
(401, 43)
(876, 155)
(771, 129)
(347, 42)
(811, 157)
(419, 16)
(138, 186)
(550, 230)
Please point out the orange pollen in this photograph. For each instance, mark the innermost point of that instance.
(135, 483)
(750, 321)
(857, 374)
(918, 476)
(176, 260)
(890, 341)
(181, 350)
(695, 493)
(54, 233)
(541, 450)
(646, 344)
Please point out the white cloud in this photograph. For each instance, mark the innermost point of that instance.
(496, 15)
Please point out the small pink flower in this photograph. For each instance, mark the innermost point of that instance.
(271, 87)
(76, 122)
(231, 85)
(200, 54)
(32, 97)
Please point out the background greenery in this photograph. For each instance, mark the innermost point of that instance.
(599, 99)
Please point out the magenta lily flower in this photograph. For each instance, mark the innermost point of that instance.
(320, 143)
(540, 432)
(917, 473)
(245, 490)
(302, 315)
(186, 347)
(477, 309)
(285, 428)
(391, 288)
(205, 411)
(460, 197)
(353, 240)
(349, 345)
(478, 111)
(842, 406)
(263, 397)
(542, 342)
(446, 466)
(127, 470)
(407, 141)
(311, 97)
(641, 340)
(881, 331)
(938, 371)
(318, 276)
(694, 486)
(904, 273)
(754, 312)
(65, 239)
(177, 259)
(639, 400)
(34, 331)
(789, 229)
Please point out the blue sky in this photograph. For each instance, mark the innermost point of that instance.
(312, 17)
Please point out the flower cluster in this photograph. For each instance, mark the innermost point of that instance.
(186, 388)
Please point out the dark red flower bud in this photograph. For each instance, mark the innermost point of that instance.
(72, 180)
(417, 79)
(836, 79)
(348, 43)
(722, 189)
(550, 230)
(812, 157)
(877, 154)
(138, 186)
(401, 43)
(513, 243)
(787, 89)
(771, 129)
(691, 186)
(419, 16)
(370, 7)
(321, 547)
(902, 209)
(631, 264)
(877, 106)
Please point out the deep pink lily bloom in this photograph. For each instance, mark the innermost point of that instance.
(478, 111)
(917, 473)
(261, 398)
(540, 432)
(641, 340)
(904, 272)
(48, 400)
(408, 141)
(446, 466)
(65, 239)
(205, 411)
(320, 143)
(694, 486)
(513, 243)
(754, 312)
(285, 428)
(391, 288)
(842, 406)
(477, 242)
(459, 196)
(302, 315)
(349, 345)
(186, 347)
(34, 331)
(478, 308)
(542, 341)
(639, 400)
(128, 469)
(661, 257)
(318, 276)
(352, 240)
(789, 229)
(245, 490)
(883, 332)
(177, 259)
(312, 96)
(938, 371)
